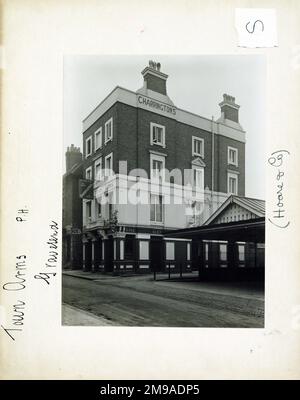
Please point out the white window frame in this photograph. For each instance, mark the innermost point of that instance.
(243, 253)
(97, 203)
(223, 253)
(144, 249)
(89, 170)
(110, 155)
(156, 157)
(235, 150)
(155, 222)
(236, 177)
(98, 162)
(89, 139)
(194, 153)
(106, 138)
(201, 170)
(88, 218)
(154, 125)
(98, 131)
(170, 251)
(188, 251)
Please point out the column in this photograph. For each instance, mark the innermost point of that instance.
(102, 254)
(71, 251)
(232, 264)
(93, 255)
(256, 261)
(201, 257)
(231, 259)
(83, 255)
(195, 254)
(118, 249)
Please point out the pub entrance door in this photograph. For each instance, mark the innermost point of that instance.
(156, 253)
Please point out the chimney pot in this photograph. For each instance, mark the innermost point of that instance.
(229, 108)
(154, 79)
(73, 156)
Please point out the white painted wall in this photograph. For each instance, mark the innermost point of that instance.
(175, 215)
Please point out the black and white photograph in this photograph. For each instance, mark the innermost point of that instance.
(149, 194)
(164, 191)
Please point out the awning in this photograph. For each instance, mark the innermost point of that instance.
(252, 230)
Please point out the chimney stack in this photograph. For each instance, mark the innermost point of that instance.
(73, 156)
(229, 109)
(154, 79)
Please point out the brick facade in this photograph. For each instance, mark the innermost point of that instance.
(110, 250)
(131, 142)
(72, 210)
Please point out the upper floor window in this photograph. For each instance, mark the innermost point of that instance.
(109, 164)
(88, 146)
(108, 130)
(88, 173)
(98, 169)
(156, 208)
(232, 156)
(88, 210)
(232, 183)
(198, 147)
(157, 166)
(98, 139)
(110, 210)
(198, 178)
(98, 208)
(157, 134)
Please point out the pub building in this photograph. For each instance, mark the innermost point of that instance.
(147, 130)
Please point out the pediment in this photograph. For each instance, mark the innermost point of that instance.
(237, 208)
(198, 162)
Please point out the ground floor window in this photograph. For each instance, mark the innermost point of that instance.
(170, 250)
(223, 255)
(241, 254)
(206, 254)
(144, 250)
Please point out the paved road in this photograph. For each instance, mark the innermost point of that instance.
(140, 301)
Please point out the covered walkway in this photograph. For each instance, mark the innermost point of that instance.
(229, 251)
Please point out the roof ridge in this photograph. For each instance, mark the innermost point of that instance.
(250, 198)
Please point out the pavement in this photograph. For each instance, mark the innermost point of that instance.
(75, 317)
(138, 300)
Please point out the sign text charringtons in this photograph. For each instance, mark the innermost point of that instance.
(147, 102)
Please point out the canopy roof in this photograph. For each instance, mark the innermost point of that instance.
(252, 230)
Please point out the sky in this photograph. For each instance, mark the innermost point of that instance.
(195, 83)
